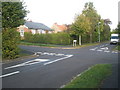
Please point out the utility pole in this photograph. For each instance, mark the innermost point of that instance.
(99, 31)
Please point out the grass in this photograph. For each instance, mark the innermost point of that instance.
(91, 78)
(117, 48)
(53, 45)
(39, 44)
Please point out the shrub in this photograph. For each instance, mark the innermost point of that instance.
(10, 38)
(55, 38)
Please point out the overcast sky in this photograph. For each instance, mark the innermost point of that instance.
(63, 11)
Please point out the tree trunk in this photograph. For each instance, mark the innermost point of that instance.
(90, 37)
(80, 40)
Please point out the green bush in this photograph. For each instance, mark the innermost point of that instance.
(62, 38)
(10, 38)
(55, 38)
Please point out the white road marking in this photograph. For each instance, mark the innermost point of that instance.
(92, 49)
(58, 60)
(99, 50)
(9, 74)
(46, 53)
(107, 51)
(35, 61)
(59, 54)
(105, 48)
(114, 52)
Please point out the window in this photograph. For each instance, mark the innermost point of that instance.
(22, 33)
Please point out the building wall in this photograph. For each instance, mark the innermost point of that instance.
(59, 28)
(23, 29)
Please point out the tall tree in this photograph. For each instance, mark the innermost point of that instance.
(13, 14)
(81, 26)
(117, 30)
(90, 12)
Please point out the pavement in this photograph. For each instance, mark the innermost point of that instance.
(55, 67)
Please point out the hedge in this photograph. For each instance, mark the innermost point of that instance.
(55, 38)
(10, 37)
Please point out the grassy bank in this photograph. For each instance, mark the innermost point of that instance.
(39, 44)
(91, 78)
(53, 45)
(117, 48)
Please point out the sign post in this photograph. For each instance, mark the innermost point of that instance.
(74, 42)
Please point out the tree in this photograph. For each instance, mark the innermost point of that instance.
(13, 14)
(81, 26)
(117, 30)
(90, 12)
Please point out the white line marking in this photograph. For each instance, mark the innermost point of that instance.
(9, 74)
(46, 53)
(67, 55)
(107, 51)
(99, 50)
(92, 49)
(58, 60)
(35, 61)
(106, 48)
(59, 54)
(114, 52)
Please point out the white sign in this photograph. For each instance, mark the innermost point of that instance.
(74, 42)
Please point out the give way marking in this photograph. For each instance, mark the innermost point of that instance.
(35, 61)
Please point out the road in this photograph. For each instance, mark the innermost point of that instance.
(53, 68)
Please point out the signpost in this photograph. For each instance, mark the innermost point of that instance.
(74, 42)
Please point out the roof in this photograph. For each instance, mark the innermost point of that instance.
(59, 27)
(35, 25)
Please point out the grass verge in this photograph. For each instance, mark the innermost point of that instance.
(52, 45)
(39, 44)
(117, 48)
(91, 78)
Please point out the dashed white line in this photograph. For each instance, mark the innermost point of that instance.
(51, 54)
(9, 74)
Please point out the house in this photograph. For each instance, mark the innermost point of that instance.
(34, 28)
(59, 28)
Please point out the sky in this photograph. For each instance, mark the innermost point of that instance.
(49, 12)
